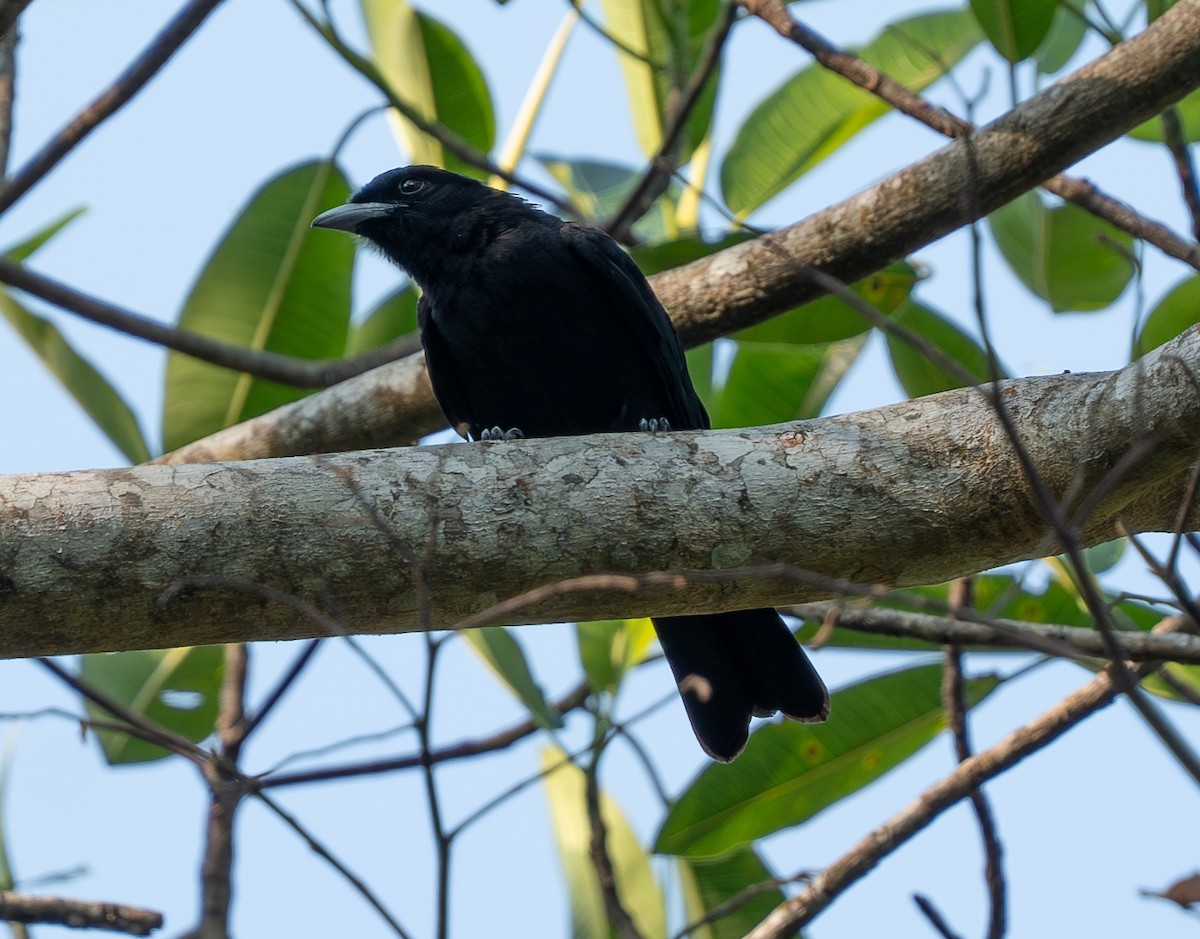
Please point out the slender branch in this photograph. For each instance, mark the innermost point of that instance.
(289, 677)
(936, 920)
(619, 919)
(665, 161)
(442, 840)
(262, 363)
(108, 102)
(472, 748)
(78, 914)
(8, 76)
(226, 790)
(1184, 165)
(956, 715)
(740, 899)
(967, 777)
(1051, 639)
(866, 76)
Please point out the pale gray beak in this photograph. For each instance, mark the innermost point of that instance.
(349, 216)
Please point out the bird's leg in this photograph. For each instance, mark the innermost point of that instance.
(495, 433)
(653, 425)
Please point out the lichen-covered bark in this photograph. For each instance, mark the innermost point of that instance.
(915, 492)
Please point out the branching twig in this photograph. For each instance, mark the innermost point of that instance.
(619, 919)
(866, 76)
(967, 777)
(956, 716)
(108, 102)
(662, 165)
(1184, 165)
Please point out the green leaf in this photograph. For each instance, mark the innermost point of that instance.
(668, 36)
(919, 374)
(1189, 117)
(1062, 41)
(1175, 313)
(429, 67)
(23, 250)
(709, 882)
(497, 647)
(773, 383)
(394, 316)
(816, 111)
(1015, 28)
(789, 772)
(635, 880)
(272, 283)
(609, 648)
(93, 392)
(829, 318)
(1066, 256)
(599, 189)
(177, 688)
(7, 877)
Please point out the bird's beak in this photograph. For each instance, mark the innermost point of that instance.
(349, 216)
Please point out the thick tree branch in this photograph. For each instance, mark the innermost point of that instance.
(78, 914)
(917, 492)
(756, 280)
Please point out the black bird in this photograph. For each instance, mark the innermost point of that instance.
(537, 327)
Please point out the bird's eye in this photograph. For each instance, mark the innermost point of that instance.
(410, 186)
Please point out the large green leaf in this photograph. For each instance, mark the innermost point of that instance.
(94, 393)
(1068, 257)
(176, 688)
(1015, 28)
(430, 68)
(1179, 310)
(668, 37)
(272, 283)
(769, 383)
(635, 881)
(1066, 35)
(789, 772)
(920, 374)
(816, 111)
(497, 647)
(709, 882)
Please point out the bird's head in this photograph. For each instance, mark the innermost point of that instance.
(418, 216)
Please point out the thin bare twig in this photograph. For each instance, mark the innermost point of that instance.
(619, 919)
(285, 682)
(934, 915)
(109, 101)
(9, 36)
(262, 363)
(955, 702)
(78, 914)
(1185, 167)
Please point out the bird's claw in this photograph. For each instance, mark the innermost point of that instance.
(653, 425)
(495, 433)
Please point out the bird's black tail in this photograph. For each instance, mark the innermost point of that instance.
(732, 666)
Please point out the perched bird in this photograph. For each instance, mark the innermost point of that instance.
(537, 327)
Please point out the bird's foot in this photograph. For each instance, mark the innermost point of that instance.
(653, 425)
(495, 433)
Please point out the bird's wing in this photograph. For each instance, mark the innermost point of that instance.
(443, 375)
(613, 274)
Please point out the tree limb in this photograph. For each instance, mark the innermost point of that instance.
(753, 281)
(916, 492)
